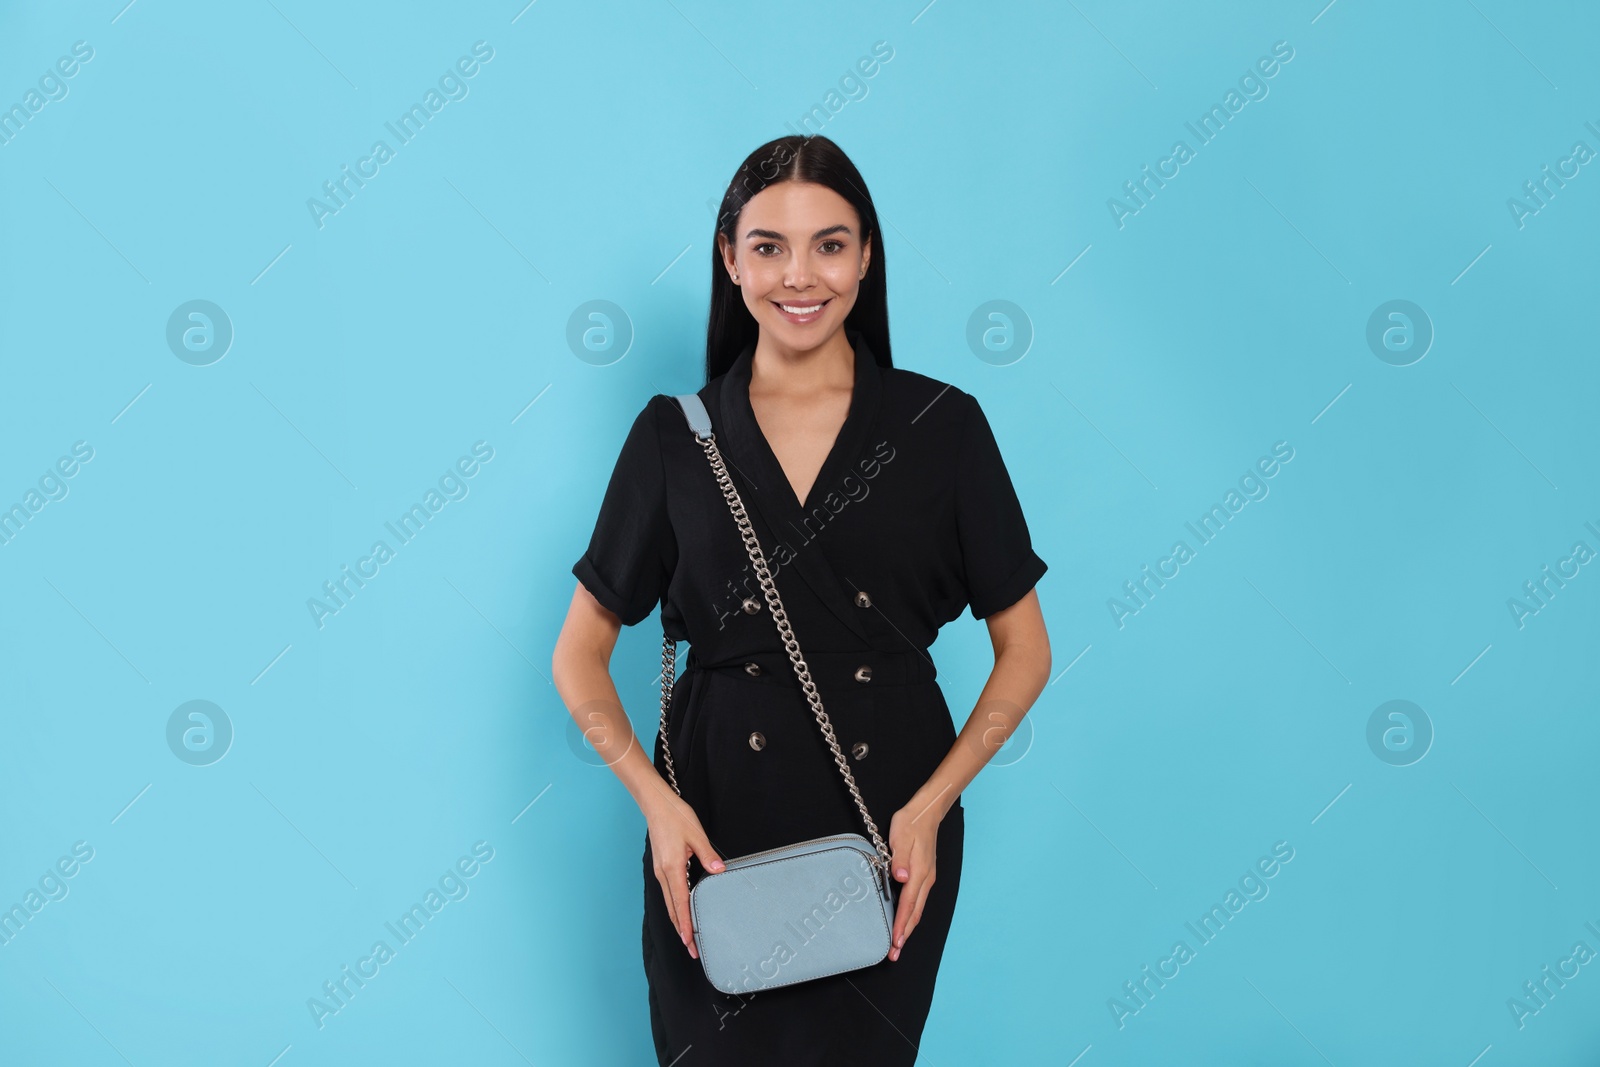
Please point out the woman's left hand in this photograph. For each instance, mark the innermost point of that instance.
(913, 842)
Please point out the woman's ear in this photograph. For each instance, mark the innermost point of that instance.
(866, 255)
(729, 263)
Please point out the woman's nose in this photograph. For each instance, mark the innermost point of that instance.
(800, 273)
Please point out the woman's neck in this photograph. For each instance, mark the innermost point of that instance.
(776, 369)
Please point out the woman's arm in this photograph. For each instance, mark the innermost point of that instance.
(1021, 671)
(581, 670)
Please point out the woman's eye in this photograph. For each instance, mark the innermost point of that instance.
(837, 246)
(764, 244)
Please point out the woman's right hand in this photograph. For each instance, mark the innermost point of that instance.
(675, 833)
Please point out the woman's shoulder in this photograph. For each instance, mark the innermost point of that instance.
(658, 406)
(665, 411)
(941, 405)
(668, 423)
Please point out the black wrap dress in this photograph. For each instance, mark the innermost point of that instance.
(912, 518)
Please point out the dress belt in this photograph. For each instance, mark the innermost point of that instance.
(862, 669)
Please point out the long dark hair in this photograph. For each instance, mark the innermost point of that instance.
(730, 326)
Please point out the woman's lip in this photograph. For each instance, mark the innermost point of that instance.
(810, 315)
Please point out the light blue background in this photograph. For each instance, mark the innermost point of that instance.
(1165, 757)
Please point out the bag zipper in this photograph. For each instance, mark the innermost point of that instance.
(785, 848)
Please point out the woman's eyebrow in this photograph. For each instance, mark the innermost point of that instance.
(774, 235)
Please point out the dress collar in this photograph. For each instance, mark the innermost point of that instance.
(767, 492)
(764, 470)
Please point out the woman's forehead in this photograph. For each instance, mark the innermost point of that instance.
(795, 209)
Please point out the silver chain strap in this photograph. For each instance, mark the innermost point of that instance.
(669, 654)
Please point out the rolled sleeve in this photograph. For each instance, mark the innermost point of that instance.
(999, 564)
(631, 552)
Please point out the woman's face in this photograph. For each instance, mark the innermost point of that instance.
(798, 258)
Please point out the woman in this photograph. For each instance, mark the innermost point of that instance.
(884, 509)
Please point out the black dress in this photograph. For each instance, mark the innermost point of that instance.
(912, 518)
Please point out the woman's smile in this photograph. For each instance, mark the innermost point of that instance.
(802, 311)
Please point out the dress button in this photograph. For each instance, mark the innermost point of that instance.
(752, 669)
(863, 673)
(757, 741)
(859, 750)
(751, 605)
(863, 600)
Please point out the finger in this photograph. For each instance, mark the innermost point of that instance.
(712, 862)
(680, 882)
(922, 900)
(904, 912)
(677, 900)
(900, 868)
(672, 905)
(707, 855)
(912, 901)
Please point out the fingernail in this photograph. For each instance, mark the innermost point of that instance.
(901, 941)
(901, 872)
(716, 865)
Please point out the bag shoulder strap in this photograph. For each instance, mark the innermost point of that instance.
(700, 422)
(695, 411)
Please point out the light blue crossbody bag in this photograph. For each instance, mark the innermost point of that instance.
(806, 910)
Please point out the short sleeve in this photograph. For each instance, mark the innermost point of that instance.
(997, 557)
(632, 551)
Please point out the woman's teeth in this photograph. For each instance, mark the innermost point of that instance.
(808, 309)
